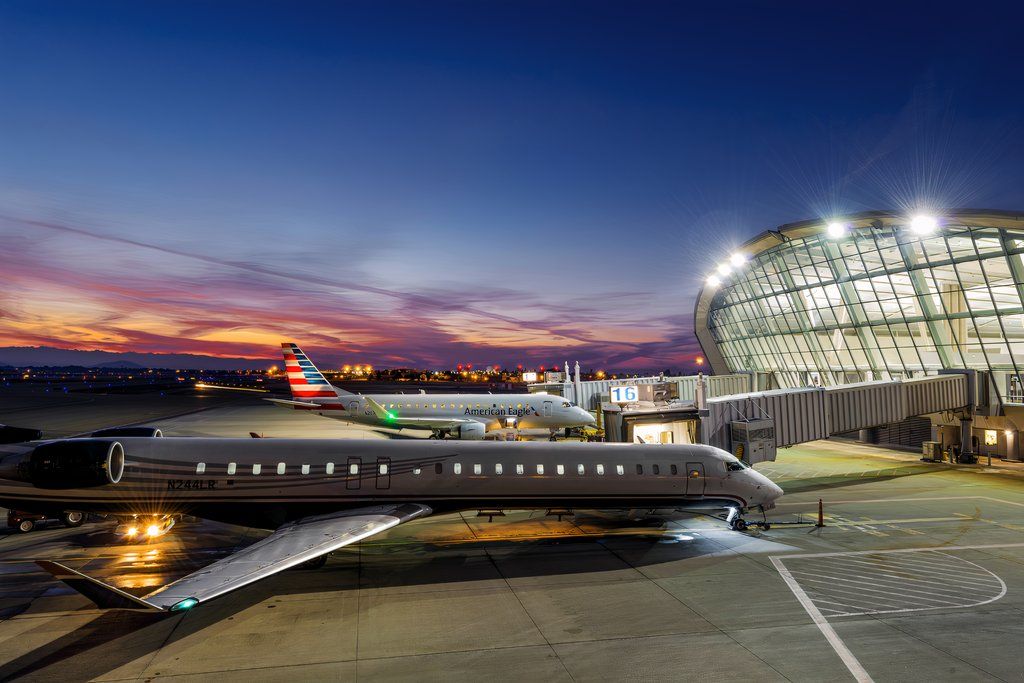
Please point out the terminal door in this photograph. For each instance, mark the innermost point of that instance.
(352, 473)
(695, 480)
(383, 473)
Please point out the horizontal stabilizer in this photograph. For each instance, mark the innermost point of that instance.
(289, 404)
(100, 593)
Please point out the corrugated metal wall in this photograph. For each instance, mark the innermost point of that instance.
(815, 413)
(935, 394)
(856, 406)
(800, 415)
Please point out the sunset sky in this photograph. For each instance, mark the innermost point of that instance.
(430, 183)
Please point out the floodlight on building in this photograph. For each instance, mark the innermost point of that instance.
(713, 281)
(724, 269)
(737, 260)
(923, 225)
(835, 230)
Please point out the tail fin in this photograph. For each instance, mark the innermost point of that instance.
(305, 381)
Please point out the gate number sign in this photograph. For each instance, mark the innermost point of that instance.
(627, 394)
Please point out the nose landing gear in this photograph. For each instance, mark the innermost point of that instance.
(737, 523)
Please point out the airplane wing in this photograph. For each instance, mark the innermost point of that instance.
(393, 420)
(291, 545)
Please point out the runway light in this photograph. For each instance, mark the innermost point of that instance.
(713, 281)
(737, 260)
(153, 530)
(724, 269)
(923, 225)
(836, 230)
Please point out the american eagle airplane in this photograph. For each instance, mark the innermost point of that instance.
(464, 416)
(319, 495)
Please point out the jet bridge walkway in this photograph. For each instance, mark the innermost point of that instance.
(808, 414)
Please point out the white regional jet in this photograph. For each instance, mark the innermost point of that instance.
(320, 495)
(463, 416)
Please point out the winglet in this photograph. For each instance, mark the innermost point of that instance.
(103, 595)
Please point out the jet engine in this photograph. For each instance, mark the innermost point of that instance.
(75, 463)
(473, 431)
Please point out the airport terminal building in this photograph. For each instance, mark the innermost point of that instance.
(875, 296)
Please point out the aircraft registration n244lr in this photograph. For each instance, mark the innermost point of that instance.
(319, 495)
(463, 416)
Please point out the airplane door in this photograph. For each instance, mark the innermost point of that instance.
(695, 480)
(383, 473)
(353, 408)
(352, 473)
(546, 409)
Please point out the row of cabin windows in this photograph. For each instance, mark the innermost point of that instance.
(383, 468)
(462, 406)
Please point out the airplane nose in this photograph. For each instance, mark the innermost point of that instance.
(590, 419)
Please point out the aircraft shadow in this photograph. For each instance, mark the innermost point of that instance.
(792, 486)
(114, 639)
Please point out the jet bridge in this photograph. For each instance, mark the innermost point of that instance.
(755, 424)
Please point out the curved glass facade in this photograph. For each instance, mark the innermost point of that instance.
(879, 302)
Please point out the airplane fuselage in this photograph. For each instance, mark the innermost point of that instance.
(266, 482)
(494, 411)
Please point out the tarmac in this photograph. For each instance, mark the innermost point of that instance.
(917, 575)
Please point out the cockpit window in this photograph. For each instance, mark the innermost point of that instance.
(566, 404)
(735, 466)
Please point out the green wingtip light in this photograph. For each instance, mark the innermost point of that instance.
(187, 603)
(391, 416)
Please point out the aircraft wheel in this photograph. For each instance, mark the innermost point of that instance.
(26, 525)
(739, 524)
(766, 526)
(72, 519)
(432, 436)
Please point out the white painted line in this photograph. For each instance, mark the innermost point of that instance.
(963, 580)
(902, 500)
(830, 581)
(853, 665)
(851, 662)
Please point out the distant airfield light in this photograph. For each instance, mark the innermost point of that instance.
(713, 281)
(923, 225)
(700, 360)
(737, 260)
(836, 230)
(724, 269)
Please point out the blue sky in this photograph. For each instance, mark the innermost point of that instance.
(430, 183)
